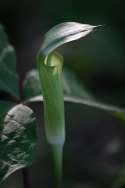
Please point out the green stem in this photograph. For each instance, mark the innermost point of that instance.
(57, 151)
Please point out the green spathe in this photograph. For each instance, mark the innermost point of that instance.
(64, 33)
(51, 81)
(50, 73)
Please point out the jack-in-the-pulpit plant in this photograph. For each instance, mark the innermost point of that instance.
(50, 65)
(18, 138)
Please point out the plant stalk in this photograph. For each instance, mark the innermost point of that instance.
(57, 152)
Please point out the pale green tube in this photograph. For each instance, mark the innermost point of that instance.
(50, 73)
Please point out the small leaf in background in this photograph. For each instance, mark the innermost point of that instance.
(4, 108)
(31, 85)
(17, 140)
(8, 76)
(64, 33)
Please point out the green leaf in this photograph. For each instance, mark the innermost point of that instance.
(71, 85)
(74, 91)
(31, 85)
(17, 140)
(4, 108)
(8, 76)
(64, 33)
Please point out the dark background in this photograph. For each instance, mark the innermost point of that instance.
(95, 148)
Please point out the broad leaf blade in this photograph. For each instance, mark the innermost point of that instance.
(17, 140)
(63, 33)
(71, 85)
(74, 91)
(8, 76)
